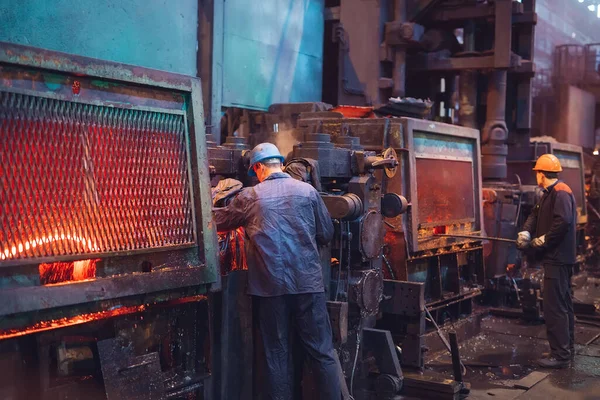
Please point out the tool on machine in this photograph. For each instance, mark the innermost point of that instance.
(477, 237)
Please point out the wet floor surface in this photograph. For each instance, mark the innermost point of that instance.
(506, 351)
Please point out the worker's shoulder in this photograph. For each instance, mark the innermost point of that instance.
(246, 194)
(299, 185)
(562, 187)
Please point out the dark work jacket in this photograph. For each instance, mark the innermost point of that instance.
(285, 221)
(305, 170)
(555, 216)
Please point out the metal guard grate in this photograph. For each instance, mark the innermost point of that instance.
(80, 179)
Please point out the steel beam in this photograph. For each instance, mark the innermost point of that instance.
(36, 298)
(84, 66)
(424, 63)
(503, 34)
(216, 93)
(471, 12)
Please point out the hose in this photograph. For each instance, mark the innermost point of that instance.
(358, 335)
(389, 267)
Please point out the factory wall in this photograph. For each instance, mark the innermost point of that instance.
(160, 34)
(576, 117)
(562, 22)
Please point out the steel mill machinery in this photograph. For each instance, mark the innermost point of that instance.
(354, 202)
(474, 59)
(388, 261)
(435, 190)
(107, 249)
(351, 182)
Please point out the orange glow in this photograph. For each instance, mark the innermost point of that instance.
(232, 254)
(439, 230)
(15, 251)
(63, 322)
(355, 111)
(67, 271)
(85, 318)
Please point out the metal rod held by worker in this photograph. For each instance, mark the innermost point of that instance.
(477, 237)
(455, 356)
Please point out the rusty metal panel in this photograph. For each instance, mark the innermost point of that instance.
(452, 149)
(272, 52)
(80, 179)
(127, 376)
(445, 191)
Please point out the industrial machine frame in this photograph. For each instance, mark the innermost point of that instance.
(150, 126)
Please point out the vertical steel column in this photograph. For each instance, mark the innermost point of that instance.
(467, 111)
(216, 93)
(399, 74)
(495, 132)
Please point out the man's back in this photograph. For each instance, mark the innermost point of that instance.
(555, 216)
(285, 221)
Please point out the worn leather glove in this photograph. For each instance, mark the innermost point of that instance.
(539, 241)
(523, 240)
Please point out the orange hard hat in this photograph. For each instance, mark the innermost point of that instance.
(547, 163)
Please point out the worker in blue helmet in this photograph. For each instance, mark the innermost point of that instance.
(286, 221)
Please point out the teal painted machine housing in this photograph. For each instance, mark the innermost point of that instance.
(272, 52)
(158, 34)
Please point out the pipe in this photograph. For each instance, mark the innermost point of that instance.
(478, 237)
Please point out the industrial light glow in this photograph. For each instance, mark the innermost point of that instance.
(596, 152)
(592, 7)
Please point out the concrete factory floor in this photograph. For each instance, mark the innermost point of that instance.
(510, 349)
(500, 360)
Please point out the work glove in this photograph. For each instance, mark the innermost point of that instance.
(523, 240)
(538, 241)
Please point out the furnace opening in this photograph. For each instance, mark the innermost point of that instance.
(58, 272)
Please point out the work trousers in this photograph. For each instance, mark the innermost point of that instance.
(558, 310)
(308, 314)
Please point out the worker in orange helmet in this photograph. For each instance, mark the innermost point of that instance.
(552, 227)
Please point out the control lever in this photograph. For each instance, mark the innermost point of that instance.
(388, 161)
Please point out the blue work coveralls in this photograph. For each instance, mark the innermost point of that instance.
(285, 221)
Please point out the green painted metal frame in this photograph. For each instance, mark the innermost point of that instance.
(145, 79)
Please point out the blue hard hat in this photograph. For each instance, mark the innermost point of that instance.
(262, 152)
